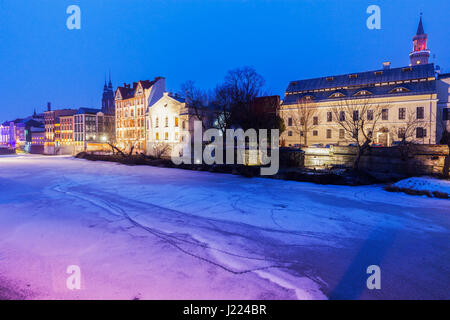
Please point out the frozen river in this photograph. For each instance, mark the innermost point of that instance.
(140, 232)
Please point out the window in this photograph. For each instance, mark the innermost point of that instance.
(183, 125)
(401, 133)
(385, 114)
(166, 122)
(342, 116)
(355, 115)
(401, 113)
(363, 93)
(290, 133)
(341, 134)
(157, 136)
(176, 121)
(315, 121)
(399, 89)
(446, 114)
(370, 115)
(329, 116)
(289, 121)
(328, 133)
(420, 112)
(156, 123)
(315, 133)
(166, 136)
(421, 132)
(337, 95)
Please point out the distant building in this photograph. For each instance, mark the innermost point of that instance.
(66, 129)
(131, 103)
(265, 105)
(37, 140)
(410, 90)
(92, 125)
(52, 124)
(108, 107)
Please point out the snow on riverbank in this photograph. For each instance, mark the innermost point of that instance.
(425, 184)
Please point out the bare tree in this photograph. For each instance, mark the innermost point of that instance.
(242, 86)
(358, 119)
(303, 118)
(221, 103)
(160, 149)
(197, 101)
(407, 132)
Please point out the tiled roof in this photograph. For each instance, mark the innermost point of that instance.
(128, 92)
(379, 91)
(364, 78)
(350, 84)
(88, 111)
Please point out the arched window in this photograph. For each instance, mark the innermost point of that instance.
(337, 95)
(363, 93)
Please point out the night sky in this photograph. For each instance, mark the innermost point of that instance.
(41, 60)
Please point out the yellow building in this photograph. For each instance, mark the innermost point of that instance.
(131, 103)
(391, 104)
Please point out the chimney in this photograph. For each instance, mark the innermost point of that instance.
(49, 106)
(386, 65)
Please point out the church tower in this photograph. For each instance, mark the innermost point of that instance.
(108, 98)
(420, 53)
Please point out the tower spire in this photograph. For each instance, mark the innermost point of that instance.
(420, 30)
(420, 53)
(110, 83)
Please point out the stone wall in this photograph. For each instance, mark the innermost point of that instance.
(393, 161)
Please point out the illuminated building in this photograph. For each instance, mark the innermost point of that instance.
(420, 53)
(131, 103)
(406, 94)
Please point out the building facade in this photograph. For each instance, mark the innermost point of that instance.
(53, 134)
(66, 129)
(403, 95)
(170, 123)
(131, 103)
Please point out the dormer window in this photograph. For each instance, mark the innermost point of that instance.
(407, 69)
(337, 95)
(353, 76)
(399, 89)
(378, 73)
(330, 78)
(363, 93)
(308, 98)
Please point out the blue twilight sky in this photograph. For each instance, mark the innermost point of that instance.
(41, 60)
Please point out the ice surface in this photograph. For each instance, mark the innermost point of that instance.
(141, 232)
